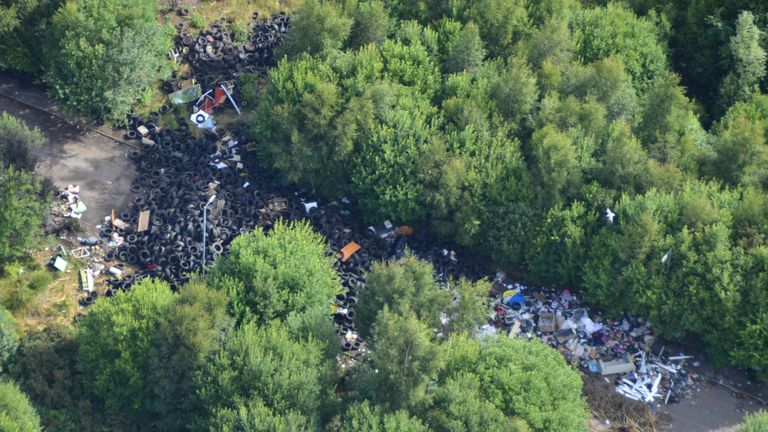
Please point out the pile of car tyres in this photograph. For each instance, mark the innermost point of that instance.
(215, 56)
(177, 173)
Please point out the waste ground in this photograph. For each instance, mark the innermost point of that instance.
(337, 221)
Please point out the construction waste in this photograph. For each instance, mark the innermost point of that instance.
(621, 348)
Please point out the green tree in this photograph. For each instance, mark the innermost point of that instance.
(403, 359)
(21, 214)
(740, 153)
(270, 276)
(256, 417)
(45, 368)
(749, 60)
(115, 338)
(514, 92)
(371, 25)
(9, 336)
(502, 23)
(16, 413)
(18, 143)
(305, 133)
(108, 55)
(524, 379)
(24, 27)
(668, 128)
(556, 165)
(185, 339)
(402, 287)
(754, 422)
(617, 31)
(318, 26)
(459, 406)
(465, 51)
(559, 249)
(624, 163)
(469, 308)
(363, 417)
(264, 369)
(395, 168)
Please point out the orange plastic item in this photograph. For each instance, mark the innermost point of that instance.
(404, 230)
(347, 251)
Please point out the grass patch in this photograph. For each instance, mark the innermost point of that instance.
(239, 12)
(36, 294)
(20, 283)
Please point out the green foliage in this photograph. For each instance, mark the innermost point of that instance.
(45, 368)
(363, 417)
(616, 31)
(402, 287)
(465, 51)
(300, 123)
(16, 413)
(18, 142)
(371, 25)
(754, 422)
(749, 59)
(556, 164)
(115, 339)
(256, 417)
(392, 173)
(108, 55)
(24, 26)
(739, 148)
(514, 92)
(318, 26)
(270, 374)
(519, 378)
(403, 359)
(269, 276)
(20, 284)
(185, 340)
(21, 213)
(9, 336)
(459, 405)
(502, 23)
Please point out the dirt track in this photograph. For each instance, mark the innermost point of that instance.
(75, 156)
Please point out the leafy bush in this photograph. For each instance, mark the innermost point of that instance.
(21, 214)
(109, 54)
(18, 143)
(20, 284)
(9, 336)
(755, 422)
(524, 379)
(270, 276)
(16, 413)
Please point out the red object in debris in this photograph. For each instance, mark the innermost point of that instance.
(210, 103)
(151, 266)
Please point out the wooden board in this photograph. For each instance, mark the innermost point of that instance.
(143, 220)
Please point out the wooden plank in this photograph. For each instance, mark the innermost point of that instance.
(143, 220)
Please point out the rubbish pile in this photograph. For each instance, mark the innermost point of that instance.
(216, 56)
(74, 207)
(620, 347)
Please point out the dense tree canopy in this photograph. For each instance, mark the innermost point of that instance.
(21, 214)
(9, 336)
(269, 276)
(107, 55)
(18, 142)
(509, 127)
(16, 413)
